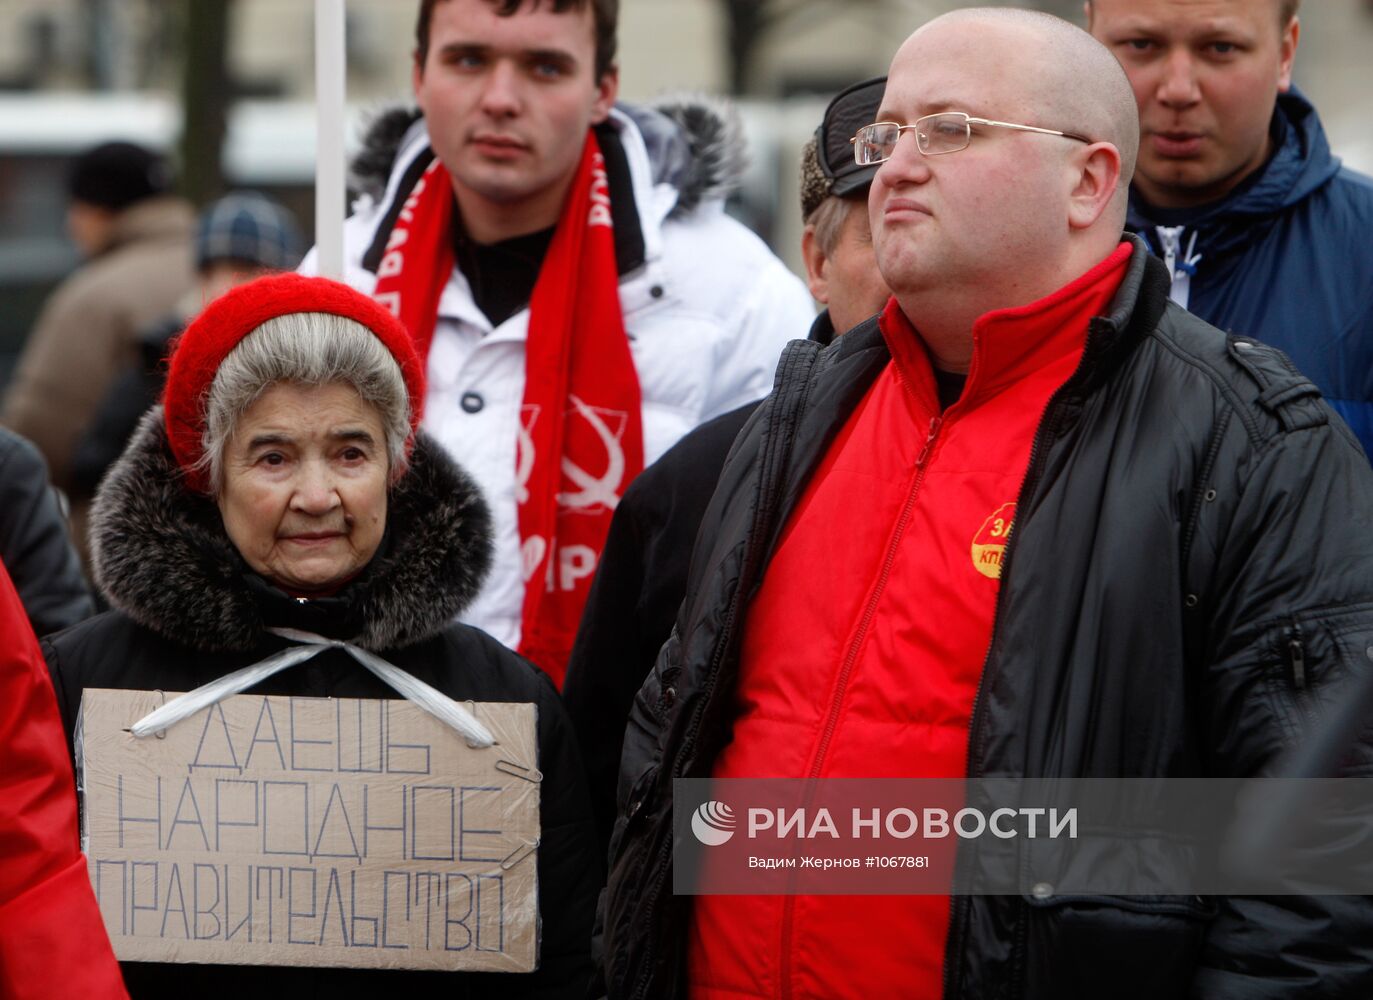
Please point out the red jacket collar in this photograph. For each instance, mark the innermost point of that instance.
(1010, 344)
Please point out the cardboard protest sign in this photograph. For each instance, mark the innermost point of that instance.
(312, 831)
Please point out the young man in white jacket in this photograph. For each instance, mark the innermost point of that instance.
(568, 270)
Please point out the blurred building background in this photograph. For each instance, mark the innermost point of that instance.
(227, 86)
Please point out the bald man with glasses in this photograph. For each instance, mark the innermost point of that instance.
(1034, 520)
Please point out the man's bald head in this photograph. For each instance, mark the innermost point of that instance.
(1018, 211)
(1075, 82)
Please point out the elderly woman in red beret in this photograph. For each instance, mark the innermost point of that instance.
(283, 486)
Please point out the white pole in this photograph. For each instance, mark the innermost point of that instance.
(329, 94)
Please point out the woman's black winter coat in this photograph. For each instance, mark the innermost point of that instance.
(188, 610)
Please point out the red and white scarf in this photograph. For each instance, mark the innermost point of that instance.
(581, 422)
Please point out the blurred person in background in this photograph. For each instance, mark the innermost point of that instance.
(568, 273)
(642, 576)
(137, 236)
(239, 237)
(1265, 233)
(52, 938)
(35, 544)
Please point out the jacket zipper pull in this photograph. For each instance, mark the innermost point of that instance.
(1296, 653)
(1181, 263)
(929, 441)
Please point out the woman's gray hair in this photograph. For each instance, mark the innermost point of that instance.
(311, 349)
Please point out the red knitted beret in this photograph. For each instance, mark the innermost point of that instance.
(231, 317)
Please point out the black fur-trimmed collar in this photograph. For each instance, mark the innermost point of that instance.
(162, 557)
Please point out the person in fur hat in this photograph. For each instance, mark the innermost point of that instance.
(564, 263)
(283, 484)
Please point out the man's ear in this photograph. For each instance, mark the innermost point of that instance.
(1096, 180)
(817, 266)
(1287, 53)
(416, 74)
(1087, 13)
(607, 89)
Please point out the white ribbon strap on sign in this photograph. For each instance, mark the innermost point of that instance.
(429, 698)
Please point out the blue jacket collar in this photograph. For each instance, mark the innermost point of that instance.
(1301, 163)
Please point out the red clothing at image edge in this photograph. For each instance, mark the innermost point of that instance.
(52, 940)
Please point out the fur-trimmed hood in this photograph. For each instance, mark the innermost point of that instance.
(694, 142)
(161, 554)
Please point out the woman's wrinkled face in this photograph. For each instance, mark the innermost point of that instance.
(304, 491)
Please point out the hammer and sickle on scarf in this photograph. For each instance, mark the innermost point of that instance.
(524, 453)
(593, 490)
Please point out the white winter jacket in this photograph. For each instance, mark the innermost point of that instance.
(707, 314)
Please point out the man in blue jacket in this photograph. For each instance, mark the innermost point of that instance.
(1266, 234)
